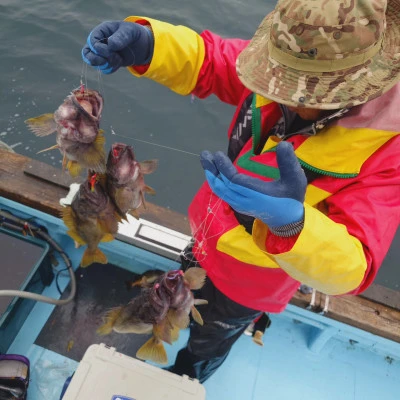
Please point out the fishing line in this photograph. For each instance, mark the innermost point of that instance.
(154, 144)
(102, 90)
(212, 210)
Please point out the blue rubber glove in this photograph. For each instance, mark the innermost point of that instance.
(279, 204)
(115, 44)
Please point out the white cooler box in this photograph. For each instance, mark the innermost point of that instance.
(105, 374)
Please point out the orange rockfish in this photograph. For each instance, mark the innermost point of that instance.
(162, 309)
(76, 122)
(125, 181)
(91, 218)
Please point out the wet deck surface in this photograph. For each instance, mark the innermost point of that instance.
(71, 329)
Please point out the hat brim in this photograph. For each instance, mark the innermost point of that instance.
(265, 76)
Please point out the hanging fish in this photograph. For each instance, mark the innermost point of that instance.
(76, 122)
(125, 181)
(91, 218)
(162, 309)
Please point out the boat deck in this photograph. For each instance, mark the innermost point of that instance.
(306, 354)
(350, 352)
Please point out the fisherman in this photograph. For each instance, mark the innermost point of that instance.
(309, 190)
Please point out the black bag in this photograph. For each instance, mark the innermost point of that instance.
(14, 377)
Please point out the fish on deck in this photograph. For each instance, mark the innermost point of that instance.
(78, 138)
(162, 309)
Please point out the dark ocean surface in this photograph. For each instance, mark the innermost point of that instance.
(40, 63)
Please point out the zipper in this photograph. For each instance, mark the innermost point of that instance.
(323, 172)
(255, 124)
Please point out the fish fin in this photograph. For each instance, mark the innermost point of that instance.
(68, 217)
(131, 284)
(178, 318)
(56, 146)
(150, 276)
(74, 168)
(42, 125)
(200, 302)
(134, 213)
(148, 166)
(175, 333)
(119, 216)
(108, 237)
(153, 350)
(100, 136)
(149, 190)
(77, 239)
(109, 320)
(64, 162)
(101, 178)
(196, 316)
(93, 256)
(163, 330)
(173, 330)
(195, 277)
(95, 157)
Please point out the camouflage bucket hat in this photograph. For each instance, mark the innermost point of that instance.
(324, 54)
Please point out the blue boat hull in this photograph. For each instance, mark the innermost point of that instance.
(305, 354)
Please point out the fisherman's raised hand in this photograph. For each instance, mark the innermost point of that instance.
(279, 203)
(115, 44)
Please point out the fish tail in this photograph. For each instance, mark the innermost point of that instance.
(195, 277)
(110, 319)
(153, 350)
(93, 256)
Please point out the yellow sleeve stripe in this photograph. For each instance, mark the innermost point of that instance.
(178, 56)
(324, 256)
(315, 195)
(238, 244)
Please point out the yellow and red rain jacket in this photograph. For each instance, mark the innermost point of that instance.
(352, 209)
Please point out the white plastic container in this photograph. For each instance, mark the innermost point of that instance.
(105, 374)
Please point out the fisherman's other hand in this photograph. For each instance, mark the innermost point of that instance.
(279, 203)
(115, 44)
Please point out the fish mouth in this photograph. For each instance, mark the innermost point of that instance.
(89, 102)
(174, 274)
(118, 149)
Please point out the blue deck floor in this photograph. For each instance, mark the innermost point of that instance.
(305, 355)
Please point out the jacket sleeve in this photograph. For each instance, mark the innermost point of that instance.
(340, 250)
(187, 62)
